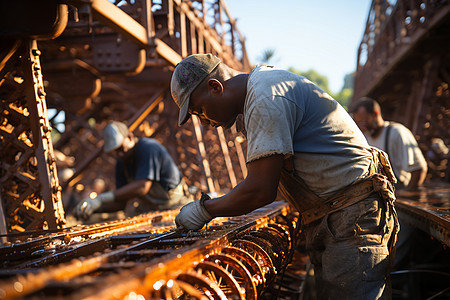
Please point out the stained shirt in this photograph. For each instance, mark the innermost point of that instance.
(285, 113)
(149, 160)
(404, 152)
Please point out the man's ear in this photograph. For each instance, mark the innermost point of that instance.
(130, 136)
(215, 87)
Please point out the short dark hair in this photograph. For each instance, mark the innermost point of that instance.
(369, 104)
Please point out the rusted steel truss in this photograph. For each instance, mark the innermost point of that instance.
(30, 191)
(391, 32)
(404, 63)
(234, 258)
(103, 60)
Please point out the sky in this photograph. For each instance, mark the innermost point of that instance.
(323, 35)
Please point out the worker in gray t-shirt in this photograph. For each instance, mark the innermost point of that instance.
(303, 142)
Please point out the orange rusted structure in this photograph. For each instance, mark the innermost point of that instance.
(404, 63)
(68, 67)
(96, 61)
(234, 258)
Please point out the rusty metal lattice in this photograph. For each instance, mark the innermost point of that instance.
(112, 60)
(231, 259)
(403, 62)
(31, 195)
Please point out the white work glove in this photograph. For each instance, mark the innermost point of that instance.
(193, 216)
(88, 206)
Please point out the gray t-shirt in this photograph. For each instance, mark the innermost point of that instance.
(405, 155)
(285, 113)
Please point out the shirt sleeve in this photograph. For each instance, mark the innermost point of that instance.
(405, 150)
(270, 127)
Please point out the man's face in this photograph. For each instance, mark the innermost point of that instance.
(124, 149)
(366, 122)
(211, 109)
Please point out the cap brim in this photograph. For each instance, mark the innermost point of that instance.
(112, 144)
(184, 115)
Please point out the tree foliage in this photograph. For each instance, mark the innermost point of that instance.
(267, 56)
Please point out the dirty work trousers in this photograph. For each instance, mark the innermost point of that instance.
(350, 253)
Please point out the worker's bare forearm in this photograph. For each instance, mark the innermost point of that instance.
(133, 189)
(257, 190)
(238, 201)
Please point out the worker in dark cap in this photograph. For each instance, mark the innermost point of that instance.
(145, 172)
(303, 142)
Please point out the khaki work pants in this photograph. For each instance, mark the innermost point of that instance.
(350, 251)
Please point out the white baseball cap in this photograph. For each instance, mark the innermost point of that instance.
(114, 134)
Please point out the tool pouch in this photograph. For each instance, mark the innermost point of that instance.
(312, 207)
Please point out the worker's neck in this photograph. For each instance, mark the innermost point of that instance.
(238, 84)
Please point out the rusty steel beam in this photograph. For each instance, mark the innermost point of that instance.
(403, 63)
(31, 194)
(390, 34)
(82, 87)
(427, 209)
(164, 50)
(114, 17)
(40, 127)
(167, 53)
(226, 154)
(239, 256)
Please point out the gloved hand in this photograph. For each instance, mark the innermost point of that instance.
(88, 206)
(193, 216)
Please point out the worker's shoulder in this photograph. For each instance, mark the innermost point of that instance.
(396, 126)
(400, 132)
(265, 77)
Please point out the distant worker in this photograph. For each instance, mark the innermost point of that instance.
(407, 160)
(303, 142)
(144, 170)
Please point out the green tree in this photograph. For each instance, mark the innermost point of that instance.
(314, 76)
(344, 97)
(349, 81)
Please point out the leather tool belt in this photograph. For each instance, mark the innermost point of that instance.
(380, 179)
